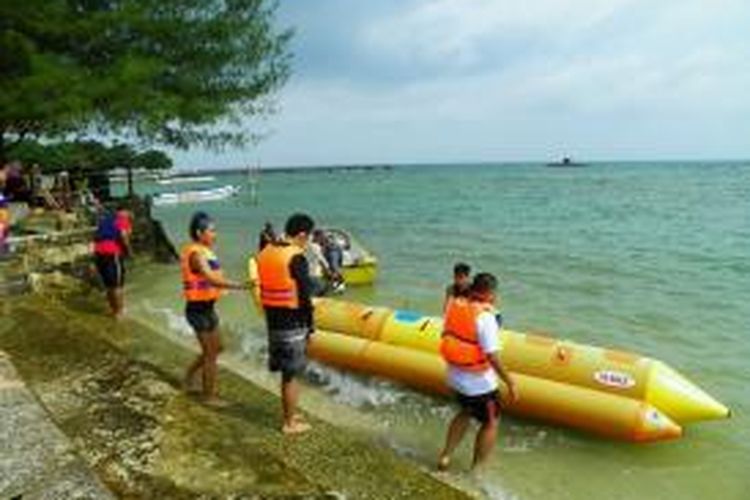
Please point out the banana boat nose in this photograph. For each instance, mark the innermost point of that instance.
(655, 426)
(680, 399)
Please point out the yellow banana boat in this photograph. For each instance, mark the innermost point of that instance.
(611, 393)
(608, 392)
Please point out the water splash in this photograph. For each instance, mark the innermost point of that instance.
(175, 322)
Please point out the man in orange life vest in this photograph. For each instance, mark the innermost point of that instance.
(203, 282)
(285, 292)
(470, 345)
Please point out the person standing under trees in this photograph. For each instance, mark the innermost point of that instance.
(203, 283)
(111, 247)
(285, 293)
(471, 345)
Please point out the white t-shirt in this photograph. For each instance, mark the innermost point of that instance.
(315, 260)
(476, 383)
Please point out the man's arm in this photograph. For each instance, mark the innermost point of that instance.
(504, 375)
(300, 271)
(125, 241)
(448, 295)
(489, 339)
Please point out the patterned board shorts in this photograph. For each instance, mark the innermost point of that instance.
(287, 351)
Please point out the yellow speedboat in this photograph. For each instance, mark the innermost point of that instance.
(360, 267)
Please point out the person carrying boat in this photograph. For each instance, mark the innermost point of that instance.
(460, 285)
(203, 283)
(111, 247)
(470, 344)
(285, 293)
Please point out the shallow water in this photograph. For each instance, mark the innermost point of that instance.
(647, 257)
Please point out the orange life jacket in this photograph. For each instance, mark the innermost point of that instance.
(459, 344)
(196, 288)
(277, 286)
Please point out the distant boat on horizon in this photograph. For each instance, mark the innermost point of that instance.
(165, 181)
(213, 194)
(567, 162)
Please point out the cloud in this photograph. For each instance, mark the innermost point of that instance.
(446, 80)
(456, 33)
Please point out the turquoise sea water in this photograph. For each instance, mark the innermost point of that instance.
(648, 257)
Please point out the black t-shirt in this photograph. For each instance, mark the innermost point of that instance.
(282, 318)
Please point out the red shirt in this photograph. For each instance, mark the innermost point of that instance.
(110, 247)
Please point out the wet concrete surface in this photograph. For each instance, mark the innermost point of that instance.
(112, 388)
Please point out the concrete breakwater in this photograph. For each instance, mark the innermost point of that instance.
(113, 391)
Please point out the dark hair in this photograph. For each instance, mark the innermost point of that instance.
(199, 223)
(462, 268)
(484, 283)
(298, 223)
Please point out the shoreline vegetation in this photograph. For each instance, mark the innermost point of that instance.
(114, 390)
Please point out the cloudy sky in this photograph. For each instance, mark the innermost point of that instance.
(412, 81)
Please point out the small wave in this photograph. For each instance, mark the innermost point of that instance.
(353, 390)
(251, 345)
(175, 322)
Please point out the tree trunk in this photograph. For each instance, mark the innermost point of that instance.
(130, 182)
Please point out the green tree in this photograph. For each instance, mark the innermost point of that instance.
(178, 72)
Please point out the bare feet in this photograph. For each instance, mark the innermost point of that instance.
(297, 426)
(443, 463)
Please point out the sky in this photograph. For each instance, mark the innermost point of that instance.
(441, 81)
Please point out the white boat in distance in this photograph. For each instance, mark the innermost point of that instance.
(184, 180)
(213, 194)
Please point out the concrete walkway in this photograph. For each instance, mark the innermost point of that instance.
(113, 390)
(37, 460)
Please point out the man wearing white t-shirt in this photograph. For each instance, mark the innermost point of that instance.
(471, 346)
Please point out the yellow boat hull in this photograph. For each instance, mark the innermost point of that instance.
(611, 393)
(363, 273)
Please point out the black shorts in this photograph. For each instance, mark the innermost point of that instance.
(482, 407)
(287, 351)
(202, 316)
(111, 270)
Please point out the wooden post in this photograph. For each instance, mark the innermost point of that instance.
(130, 182)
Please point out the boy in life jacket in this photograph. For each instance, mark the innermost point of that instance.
(285, 292)
(460, 285)
(111, 246)
(471, 345)
(203, 283)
